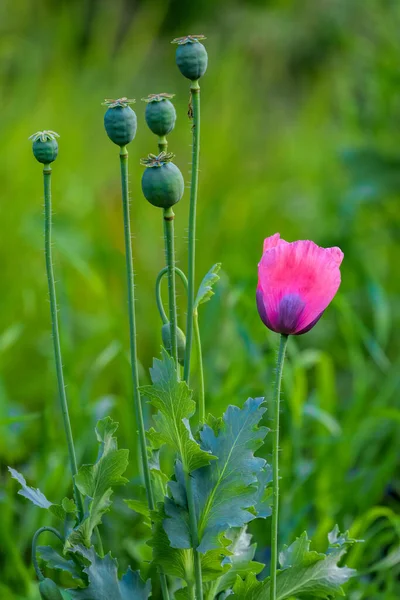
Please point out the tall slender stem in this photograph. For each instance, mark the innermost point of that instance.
(194, 536)
(275, 464)
(195, 97)
(170, 260)
(56, 334)
(133, 347)
(197, 341)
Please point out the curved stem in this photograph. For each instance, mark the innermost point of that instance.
(194, 536)
(160, 276)
(195, 97)
(35, 563)
(56, 334)
(197, 341)
(275, 464)
(170, 259)
(133, 347)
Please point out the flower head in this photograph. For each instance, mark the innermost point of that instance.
(296, 282)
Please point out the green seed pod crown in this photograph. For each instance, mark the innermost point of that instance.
(180, 338)
(191, 56)
(120, 121)
(160, 113)
(162, 181)
(49, 590)
(45, 146)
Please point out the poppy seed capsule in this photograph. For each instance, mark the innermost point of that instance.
(49, 590)
(160, 114)
(191, 57)
(162, 181)
(120, 121)
(45, 146)
(180, 339)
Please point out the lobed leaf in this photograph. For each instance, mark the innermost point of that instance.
(96, 481)
(173, 400)
(103, 580)
(304, 574)
(32, 494)
(205, 291)
(56, 561)
(240, 561)
(67, 507)
(226, 490)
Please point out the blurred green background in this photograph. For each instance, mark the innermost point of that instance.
(300, 134)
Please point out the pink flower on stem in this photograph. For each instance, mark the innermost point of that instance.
(296, 282)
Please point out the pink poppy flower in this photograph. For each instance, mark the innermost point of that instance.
(296, 282)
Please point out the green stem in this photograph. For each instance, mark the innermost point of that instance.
(197, 341)
(275, 464)
(162, 144)
(56, 334)
(159, 302)
(133, 346)
(170, 260)
(35, 563)
(195, 97)
(194, 536)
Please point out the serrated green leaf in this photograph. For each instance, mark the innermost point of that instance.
(32, 494)
(66, 508)
(305, 574)
(240, 562)
(96, 481)
(205, 290)
(54, 560)
(225, 490)
(173, 399)
(179, 562)
(103, 580)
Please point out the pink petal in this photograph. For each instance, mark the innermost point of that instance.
(297, 281)
(273, 241)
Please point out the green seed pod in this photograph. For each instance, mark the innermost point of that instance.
(191, 56)
(49, 590)
(160, 113)
(45, 146)
(120, 121)
(180, 338)
(162, 181)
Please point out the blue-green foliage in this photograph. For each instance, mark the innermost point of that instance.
(103, 580)
(175, 405)
(226, 491)
(304, 573)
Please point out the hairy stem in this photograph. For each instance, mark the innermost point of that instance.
(195, 97)
(194, 536)
(275, 464)
(35, 563)
(133, 346)
(197, 341)
(56, 335)
(170, 260)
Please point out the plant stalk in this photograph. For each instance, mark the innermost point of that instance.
(170, 260)
(195, 98)
(35, 563)
(194, 536)
(275, 464)
(162, 144)
(197, 341)
(133, 345)
(56, 335)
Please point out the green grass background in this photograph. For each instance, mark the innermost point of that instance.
(300, 134)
